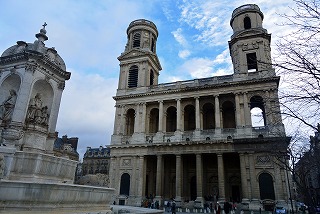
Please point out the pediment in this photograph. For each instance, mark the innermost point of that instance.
(136, 53)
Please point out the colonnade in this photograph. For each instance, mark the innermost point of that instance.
(241, 108)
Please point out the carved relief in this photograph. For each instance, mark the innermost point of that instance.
(37, 113)
(31, 67)
(263, 159)
(61, 85)
(126, 162)
(2, 165)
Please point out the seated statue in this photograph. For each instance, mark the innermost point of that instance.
(6, 108)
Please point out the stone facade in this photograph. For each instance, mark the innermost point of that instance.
(96, 160)
(34, 176)
(194, 140)
(66, 147)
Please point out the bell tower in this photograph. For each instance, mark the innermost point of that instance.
(250, 43)
(139, 63)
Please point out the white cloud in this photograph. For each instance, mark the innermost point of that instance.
(87, 109)
(184, 54)
(179, 37)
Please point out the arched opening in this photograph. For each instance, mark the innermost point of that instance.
(266, 186)
(133, 76)
(193, 188)
(151, 77)
(136, 40)
(247, 22)
(189, 118)
(152, 45)
(171, 124)
(228, 115)
(8, 95)
(235, 184)
(258, 116)
(130, 122)
(40, 104)
(125, 184)
(154, 120)
(208, 116)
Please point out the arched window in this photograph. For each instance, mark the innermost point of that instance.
(125, 184)
(208, 116)
(151, 77)
(228, 115)
(133, 76)
(154, 121)
(247, 22)
(171, 124)
(189, 118)
(258, 116)
(266, 186)
(136, 40)
(130, 122)
(152, 45)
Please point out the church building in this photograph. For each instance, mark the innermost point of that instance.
(194, 141)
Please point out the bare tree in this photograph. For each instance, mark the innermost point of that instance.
(297, 61)
(302, 163)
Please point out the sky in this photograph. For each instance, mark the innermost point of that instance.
(90, 34)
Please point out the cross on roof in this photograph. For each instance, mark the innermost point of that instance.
(44, 25)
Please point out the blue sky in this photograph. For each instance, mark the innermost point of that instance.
(90, 34)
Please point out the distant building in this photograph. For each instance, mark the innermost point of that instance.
(66, 147)
(96, 160)
(308, 173)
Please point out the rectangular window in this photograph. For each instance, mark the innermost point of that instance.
(252, 62)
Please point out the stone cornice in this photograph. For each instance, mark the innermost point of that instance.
(138, 53)
(199, 88)
(41, 59)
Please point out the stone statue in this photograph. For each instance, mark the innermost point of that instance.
(36, 111)
(6, 108)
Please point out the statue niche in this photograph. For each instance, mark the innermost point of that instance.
(6, 108)
(37, 114)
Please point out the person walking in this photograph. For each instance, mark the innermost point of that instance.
(173, 208)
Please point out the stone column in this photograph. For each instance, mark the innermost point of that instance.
(123, 121)
(178, 114)
(159, 175)
(143, 118)
(179, 170)
(253, 179)
(244, 183)
(197, 113)
(141, 177)
(137, 119)
(217, 112)
(159, 178)
(247, 114)
(268, 110)
(24, 94)
(238, 116)
(199, 170)
(221, 177)
(160, 128)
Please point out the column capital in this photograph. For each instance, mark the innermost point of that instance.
(160, 101)
(196, 97)
(178, 99)
(220, 154)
